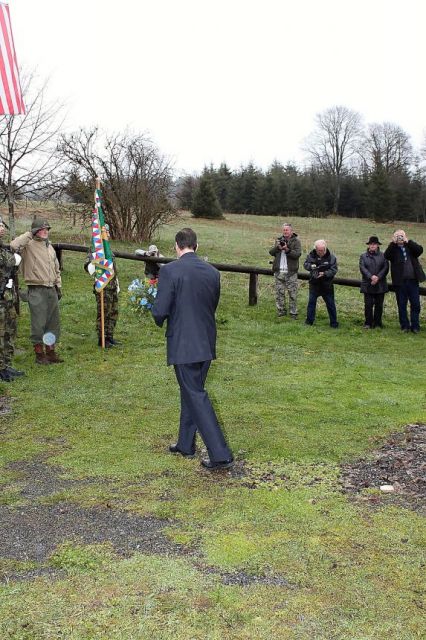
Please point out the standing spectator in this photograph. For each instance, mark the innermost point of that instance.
(42, 275)
(406, 273)
(152, 269)
(188, 295)
(8, 264)
(374, 268)
(110, 299)
(286, 251)
(322, 267)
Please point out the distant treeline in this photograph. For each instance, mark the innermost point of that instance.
(287, 190)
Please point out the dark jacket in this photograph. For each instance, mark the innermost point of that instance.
(373, 264)
(326, 264)
(394, 254)
(292, 256)
(188, 294)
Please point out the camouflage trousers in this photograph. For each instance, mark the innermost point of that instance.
(286, 283)
(110, 309)
(8, 326)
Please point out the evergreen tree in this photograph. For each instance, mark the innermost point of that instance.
(380, 197)
(205, 203)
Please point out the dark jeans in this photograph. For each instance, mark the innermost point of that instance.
(408, 292)
(197, 413)
(328, 298)
(373, 308)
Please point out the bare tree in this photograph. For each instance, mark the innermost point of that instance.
(334, 142)
(27, 146)
(386, 146)
(136, 179)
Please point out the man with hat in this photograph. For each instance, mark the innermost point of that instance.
(40, 268)
(374, 268)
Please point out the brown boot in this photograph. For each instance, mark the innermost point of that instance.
(52, 356)
(40, 355)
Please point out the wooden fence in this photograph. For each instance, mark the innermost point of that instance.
(253, 272)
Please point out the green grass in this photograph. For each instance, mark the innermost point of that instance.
(295, 402)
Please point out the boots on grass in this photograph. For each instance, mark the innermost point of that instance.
(52, 356)
(6, 376)
(41, 358)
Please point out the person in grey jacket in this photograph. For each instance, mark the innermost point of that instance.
(374, 268)
(286, 251)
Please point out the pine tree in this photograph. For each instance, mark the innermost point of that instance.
(380, 197)
(205, 203)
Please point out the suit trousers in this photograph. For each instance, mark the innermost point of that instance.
(197, 413)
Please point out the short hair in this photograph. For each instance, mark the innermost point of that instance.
(287, 224)
(186, 239)
(318, 242)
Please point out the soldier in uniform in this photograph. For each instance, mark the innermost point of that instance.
(8, 301)
(110, 295)
(42, 275)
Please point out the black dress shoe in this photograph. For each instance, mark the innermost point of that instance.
(212, 466)
(415, 330)
(175, 449)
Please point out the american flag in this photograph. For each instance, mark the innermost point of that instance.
(11, 102)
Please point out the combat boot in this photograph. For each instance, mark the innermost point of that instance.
(52, 356)
(6, 376)
(112, 342)
(41, 358)
(14, 372)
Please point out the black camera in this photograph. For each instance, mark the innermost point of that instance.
(282, 241)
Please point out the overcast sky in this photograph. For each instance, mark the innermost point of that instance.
(227, 80)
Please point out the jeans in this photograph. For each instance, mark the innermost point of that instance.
(328, 298)
(408, 292)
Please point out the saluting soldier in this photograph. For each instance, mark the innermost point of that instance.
(8, 301)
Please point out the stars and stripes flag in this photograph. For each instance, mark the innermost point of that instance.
(102, 257)
(11, 102)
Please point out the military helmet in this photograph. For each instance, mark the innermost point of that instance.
(38, 224)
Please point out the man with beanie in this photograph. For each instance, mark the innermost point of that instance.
(40, 269)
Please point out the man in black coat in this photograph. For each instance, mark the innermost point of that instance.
(322, 267)
(374, 268)
(188, 294)
(406, 273)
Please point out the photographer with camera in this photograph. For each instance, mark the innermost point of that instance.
(322, 267)
(286, 251)
(406, 273)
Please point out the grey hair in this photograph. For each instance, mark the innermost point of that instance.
(287, 224)
(318, 242)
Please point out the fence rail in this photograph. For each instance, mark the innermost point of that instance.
(253, 272)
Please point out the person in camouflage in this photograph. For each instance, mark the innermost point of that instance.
(286, 251)
(110, 295)
(8, 298)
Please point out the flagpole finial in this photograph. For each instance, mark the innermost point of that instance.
(98, 182)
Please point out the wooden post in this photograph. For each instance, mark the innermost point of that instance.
(254, 278)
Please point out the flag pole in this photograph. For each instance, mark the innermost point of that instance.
(101, 293)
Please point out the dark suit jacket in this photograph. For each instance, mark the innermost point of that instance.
(188, 294)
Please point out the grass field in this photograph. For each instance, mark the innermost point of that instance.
(274, 551)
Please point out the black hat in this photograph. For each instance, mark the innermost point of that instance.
(373, 239)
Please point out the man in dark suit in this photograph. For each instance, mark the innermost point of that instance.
(188, 294)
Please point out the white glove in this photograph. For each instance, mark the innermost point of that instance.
(9, 284)
(18, 259)
(91, 268)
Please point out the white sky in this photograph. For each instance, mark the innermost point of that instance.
(227, 80)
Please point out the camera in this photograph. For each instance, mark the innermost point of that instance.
(400, 238)
(282, 241)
